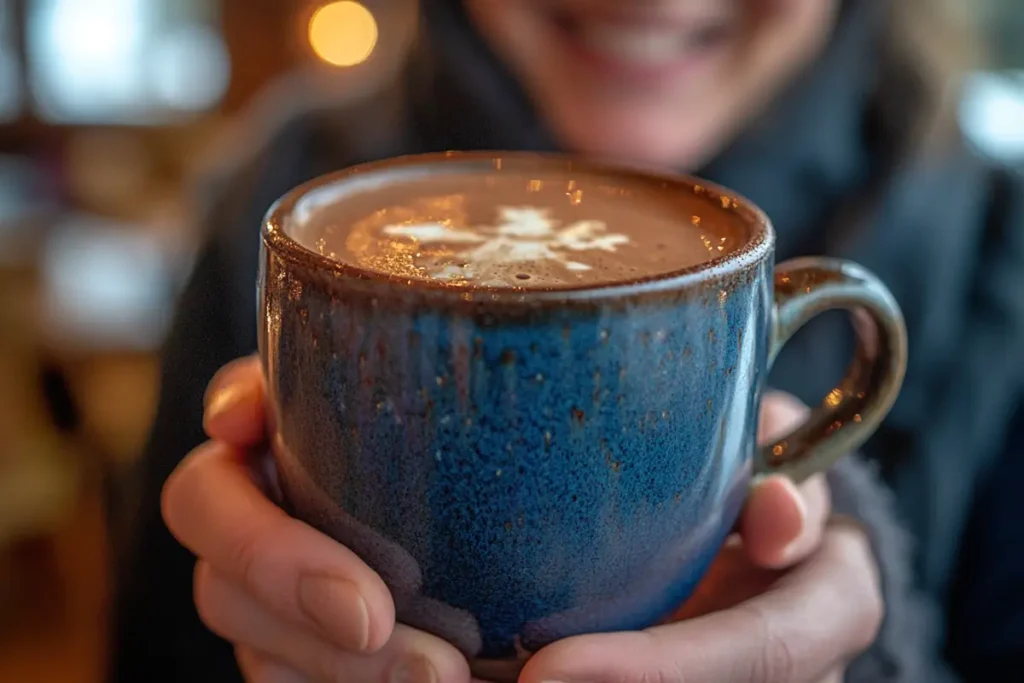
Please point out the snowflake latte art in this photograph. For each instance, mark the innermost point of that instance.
(517, 226)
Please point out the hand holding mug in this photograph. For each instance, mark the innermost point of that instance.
(253, 561)
(525, 440)
(768, 611)
(524, 389)
(296, 605)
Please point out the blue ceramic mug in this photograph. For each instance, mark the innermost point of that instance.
(524, 466)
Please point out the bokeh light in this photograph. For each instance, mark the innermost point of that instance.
(177, 55)
(343, 33)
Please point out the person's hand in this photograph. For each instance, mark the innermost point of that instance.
(298, 607)
(790, 599)
(301, 608)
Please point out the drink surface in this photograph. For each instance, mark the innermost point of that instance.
(517, 226)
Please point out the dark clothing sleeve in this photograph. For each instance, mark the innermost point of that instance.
(986, 604)
(158, 637)
(986, 638)
(905, 650)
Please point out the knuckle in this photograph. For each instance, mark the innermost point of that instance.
(207, 599)
(774, 661)
(657, 660)
(325, 663)
(241, 553)
(668, 670)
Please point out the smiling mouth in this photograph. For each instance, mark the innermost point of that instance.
(644, 43)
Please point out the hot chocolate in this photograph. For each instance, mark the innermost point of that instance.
(556, 456)
(518, 224)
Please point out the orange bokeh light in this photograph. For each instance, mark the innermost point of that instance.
(343, 33)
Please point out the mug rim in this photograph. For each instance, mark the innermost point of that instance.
(757, 247)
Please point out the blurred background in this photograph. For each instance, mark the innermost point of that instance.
(110, 112)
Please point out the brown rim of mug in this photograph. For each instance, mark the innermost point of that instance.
(758, 246)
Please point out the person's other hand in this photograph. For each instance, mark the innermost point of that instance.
(790, 599)
(297, 606)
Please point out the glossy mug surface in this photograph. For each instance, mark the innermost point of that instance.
(525, 464)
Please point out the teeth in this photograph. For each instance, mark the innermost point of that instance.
(636, 45)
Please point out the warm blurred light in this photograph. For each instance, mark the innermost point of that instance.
(343, 33)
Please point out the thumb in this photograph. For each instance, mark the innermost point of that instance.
(822, 613)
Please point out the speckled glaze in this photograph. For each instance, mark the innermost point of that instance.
(524, 466)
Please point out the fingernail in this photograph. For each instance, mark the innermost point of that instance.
(793, 551)
(222, 400)
(796, 545)
(790, 552)
(414, 669)
(337, 607)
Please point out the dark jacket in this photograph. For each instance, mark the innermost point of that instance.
(827, 163)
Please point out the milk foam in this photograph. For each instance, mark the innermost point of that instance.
(519, 226)
(523, 236)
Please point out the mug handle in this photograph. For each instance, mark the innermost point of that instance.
(850, 413)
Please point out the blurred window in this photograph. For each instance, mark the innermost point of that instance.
(992, 114)
(992, 111)
(11, 94)
(125, 61)
(107, 285)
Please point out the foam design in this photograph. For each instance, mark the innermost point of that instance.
(523, 236)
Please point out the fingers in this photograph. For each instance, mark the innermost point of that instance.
(782, 523)
(813, 619)
(258, 668)
(213, 507)
(273, 649)
(235, 404)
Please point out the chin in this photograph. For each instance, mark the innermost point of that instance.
(656, 140)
